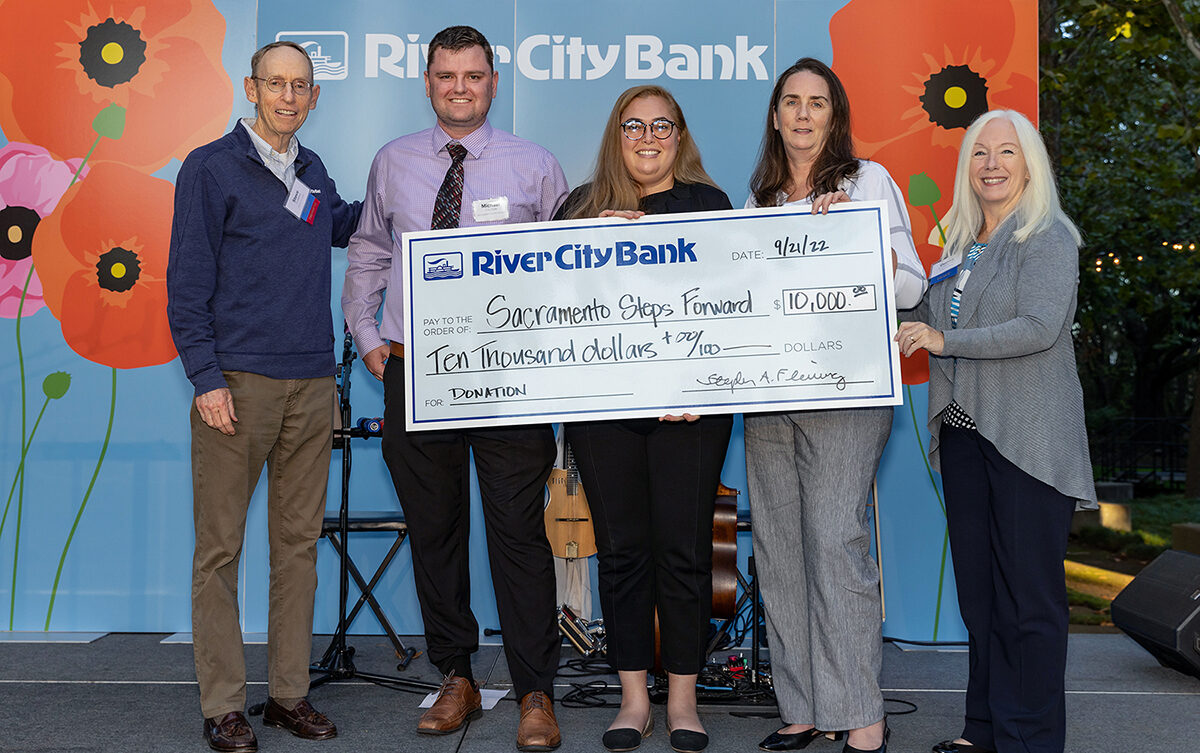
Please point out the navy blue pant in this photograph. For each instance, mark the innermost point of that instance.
(1008, 537)
(431, 473)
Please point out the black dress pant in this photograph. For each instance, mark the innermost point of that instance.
(430, 470)
(1008, 538)
(651, 487)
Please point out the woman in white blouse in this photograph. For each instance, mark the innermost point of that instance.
(810, 472)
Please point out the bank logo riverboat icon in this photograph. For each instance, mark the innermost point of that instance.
(329, 50)
(443, 266)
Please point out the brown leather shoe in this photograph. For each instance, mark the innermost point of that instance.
(303, 721)
(457, 703)
(230, 733)
(538, 729)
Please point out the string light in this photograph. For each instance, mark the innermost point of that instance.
(1116, 260)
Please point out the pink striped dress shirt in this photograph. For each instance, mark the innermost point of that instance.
(401, 189)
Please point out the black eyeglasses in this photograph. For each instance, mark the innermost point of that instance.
(275, 85)
(635, 129)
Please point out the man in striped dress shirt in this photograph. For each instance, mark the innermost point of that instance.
(461, 173)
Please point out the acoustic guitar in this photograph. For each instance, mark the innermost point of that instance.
(568, 519)
(724, 571)
(569, 529)
(724, 564)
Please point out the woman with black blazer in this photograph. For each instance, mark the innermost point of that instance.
(651, 483)
(1008, 435)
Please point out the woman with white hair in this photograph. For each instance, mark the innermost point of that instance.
(1007, 428)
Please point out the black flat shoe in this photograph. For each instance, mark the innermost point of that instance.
(625, 739)
(796, 741)
(848, 748)
(688, 741)
(949, 746)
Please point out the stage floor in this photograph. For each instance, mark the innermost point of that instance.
(132, 692)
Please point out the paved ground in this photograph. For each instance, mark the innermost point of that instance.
(131, 692)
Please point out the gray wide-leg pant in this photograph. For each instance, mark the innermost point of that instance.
(810, 477)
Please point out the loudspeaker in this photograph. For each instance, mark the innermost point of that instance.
(1160, 609)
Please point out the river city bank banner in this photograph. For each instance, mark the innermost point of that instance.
(100, 100)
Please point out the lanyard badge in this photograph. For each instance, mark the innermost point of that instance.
(301, 202)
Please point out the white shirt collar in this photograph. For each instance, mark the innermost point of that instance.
(267, 152)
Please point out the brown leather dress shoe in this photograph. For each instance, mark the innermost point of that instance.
(458, 702)
(230, 733)
(303, 721)
(538, 729)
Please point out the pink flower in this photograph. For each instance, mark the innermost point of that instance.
(31, 183)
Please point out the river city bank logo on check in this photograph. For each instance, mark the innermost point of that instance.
(329, 51)
(447, 265)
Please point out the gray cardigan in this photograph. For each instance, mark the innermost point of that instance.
(1011, 363)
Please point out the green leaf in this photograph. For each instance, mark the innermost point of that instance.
(110, 122)
(55, 385)
(923, 191)
(1173, 132)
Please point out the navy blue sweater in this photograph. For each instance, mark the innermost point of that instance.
(248, 284)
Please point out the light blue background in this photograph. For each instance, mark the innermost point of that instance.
(129, 567)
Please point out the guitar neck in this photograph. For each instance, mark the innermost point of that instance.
(572, 473)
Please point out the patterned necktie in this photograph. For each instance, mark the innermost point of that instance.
(449, 197)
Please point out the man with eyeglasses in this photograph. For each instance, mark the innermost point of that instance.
(248, 286)
(460, 173)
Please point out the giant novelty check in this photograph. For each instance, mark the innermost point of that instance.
(710, 312)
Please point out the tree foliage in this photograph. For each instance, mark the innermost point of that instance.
(1121, 114)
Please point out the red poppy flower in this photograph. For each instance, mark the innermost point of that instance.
(915, 93)
(161, 61)
(102, 259)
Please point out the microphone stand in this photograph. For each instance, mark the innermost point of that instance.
(338, 661)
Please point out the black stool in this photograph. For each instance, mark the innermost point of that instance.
(362, 522)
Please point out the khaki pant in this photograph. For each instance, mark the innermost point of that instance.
(286, 424)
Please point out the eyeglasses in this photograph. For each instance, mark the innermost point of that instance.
(635, 129)
(300, 87)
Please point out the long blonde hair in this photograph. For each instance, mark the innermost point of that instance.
(612, 187)
(1037, 209)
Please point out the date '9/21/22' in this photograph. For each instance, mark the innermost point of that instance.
(786, 246)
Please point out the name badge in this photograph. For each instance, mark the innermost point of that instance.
(490, 210)
(943, 269)
(301, 202)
